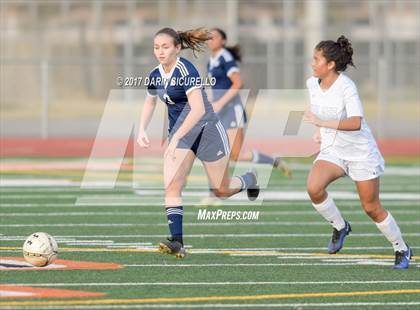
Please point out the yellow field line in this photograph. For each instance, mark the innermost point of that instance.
(274, 253)
(309, 254)
(208, 298)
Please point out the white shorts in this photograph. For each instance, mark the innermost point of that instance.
(371, 168)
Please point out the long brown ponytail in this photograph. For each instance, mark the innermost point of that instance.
(194, 39)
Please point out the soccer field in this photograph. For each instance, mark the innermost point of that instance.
(276, 261)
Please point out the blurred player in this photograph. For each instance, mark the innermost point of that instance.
(194, 129)
(347, 147)
(227, 103)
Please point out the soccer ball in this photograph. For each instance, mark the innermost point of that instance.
(40, 249)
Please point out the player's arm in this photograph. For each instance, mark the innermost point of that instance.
(146, 116)
(353, 108)
(317, 135)
(237, 84)
(195, 100)
(348, 124)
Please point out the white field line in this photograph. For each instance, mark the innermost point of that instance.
(69, 189)
(157, 213)
(60, 182)
(268, 195)
(156, 162)
(215, 283)
(294, 258)
(104, 204)
(289, 195)
(407, 184)
(231, 223)
(399, 183)
(157, 166)
(395, 305)
(113, 244)
(280, 235)
(323, 263)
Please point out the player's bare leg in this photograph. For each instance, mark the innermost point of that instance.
(320, 176)
(369, 198)
(224, 186)
(236, 138)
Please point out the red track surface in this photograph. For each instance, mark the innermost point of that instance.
(82, 147)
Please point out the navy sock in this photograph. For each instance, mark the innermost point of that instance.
(247, 180)
(175, 215)
(262, 158)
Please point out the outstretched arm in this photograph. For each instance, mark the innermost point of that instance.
(146, 116)
(237, 84)
(195, 100)
(348, 124)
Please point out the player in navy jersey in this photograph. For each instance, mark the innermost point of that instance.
(223, 67)
(194, 129)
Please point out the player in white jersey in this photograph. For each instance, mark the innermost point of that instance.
(347, 147)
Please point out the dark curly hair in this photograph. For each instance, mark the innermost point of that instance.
(341, 52)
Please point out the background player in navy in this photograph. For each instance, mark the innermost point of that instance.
(194, 129)
(223, 66)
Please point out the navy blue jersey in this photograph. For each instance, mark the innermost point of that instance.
(220, 67)
(173, 88)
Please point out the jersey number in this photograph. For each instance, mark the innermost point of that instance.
(167, 99)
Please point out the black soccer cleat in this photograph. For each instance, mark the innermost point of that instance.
(172, 247)
(253, 191)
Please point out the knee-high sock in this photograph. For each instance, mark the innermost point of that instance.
(260, 158)
(247, 180)
(392, 232)
(175, 215)
(330, 212)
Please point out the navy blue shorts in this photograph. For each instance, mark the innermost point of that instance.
(210, 144)
(233, 116)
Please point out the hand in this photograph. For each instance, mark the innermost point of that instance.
(311, 118)
(170, 150)
(142, 139)
(317, 137)
(216, 106)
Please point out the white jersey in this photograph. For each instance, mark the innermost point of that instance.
(341, 101)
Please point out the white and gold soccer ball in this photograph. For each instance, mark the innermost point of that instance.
(40, 249)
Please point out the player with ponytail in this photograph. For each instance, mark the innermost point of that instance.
(194, 129)
(224, 68)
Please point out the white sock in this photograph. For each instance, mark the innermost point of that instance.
(392, 232)
(330, 212)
